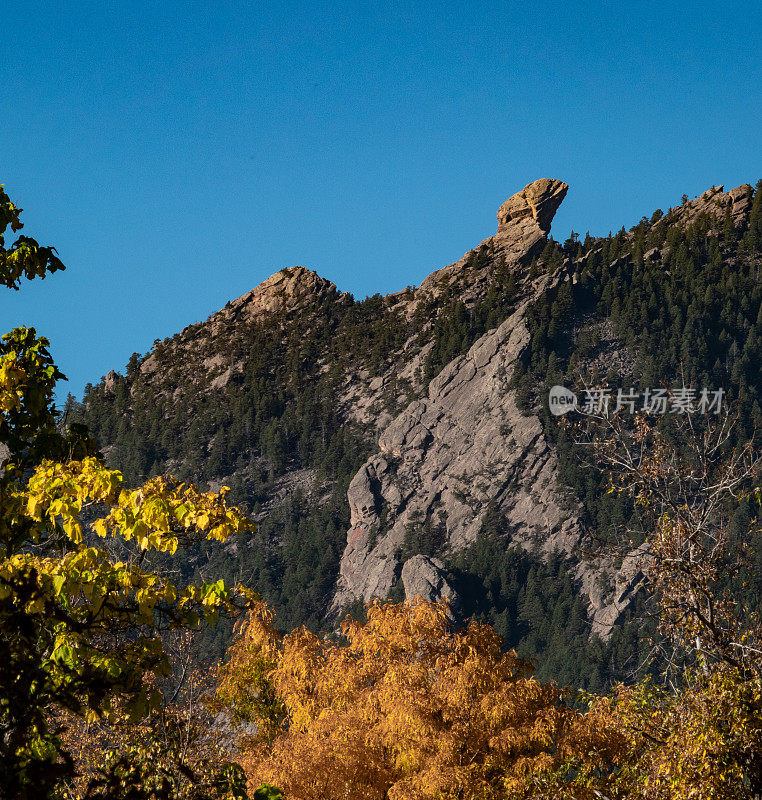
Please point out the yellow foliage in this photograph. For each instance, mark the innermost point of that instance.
(12, 378)
(699, 743)
(80, 630)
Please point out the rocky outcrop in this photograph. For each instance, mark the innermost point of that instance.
(287, 290)
(109, 382)
(426, 578)
(446, 459)
(610, 591)
(523, 225)
(207, 344)
(466, 446)
(539, 200)
(715, 202)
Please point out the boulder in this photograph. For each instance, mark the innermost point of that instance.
(426, 578)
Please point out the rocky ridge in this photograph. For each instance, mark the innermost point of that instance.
(466, 447)
(715, 202)
(292, 290)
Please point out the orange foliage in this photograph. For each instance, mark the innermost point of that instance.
(407, 709)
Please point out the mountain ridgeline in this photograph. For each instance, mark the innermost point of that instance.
(403, 445)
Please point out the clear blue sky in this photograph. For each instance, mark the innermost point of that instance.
(178, 153)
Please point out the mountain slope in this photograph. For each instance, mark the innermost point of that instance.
(360, 434)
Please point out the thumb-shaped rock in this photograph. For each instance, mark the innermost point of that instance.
(539, 200)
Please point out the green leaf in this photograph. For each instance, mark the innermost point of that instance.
(64, 654)
(58, 583)
(268, 792)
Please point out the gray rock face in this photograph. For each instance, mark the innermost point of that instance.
(446, 458)
(466, 446)
(608, 605)
(426, 578)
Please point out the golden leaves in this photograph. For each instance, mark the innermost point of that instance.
(74, 593)
(159, 513)
(406, 708)
(156, 516)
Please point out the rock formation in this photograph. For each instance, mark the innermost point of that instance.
(426, 578)
(288, 289)
(523, 225)
(539, 200)
(524, 219)
(464, 447)
(714, 202)
(445, 458)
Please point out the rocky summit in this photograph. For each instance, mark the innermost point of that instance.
(524, 221)
(289, 289)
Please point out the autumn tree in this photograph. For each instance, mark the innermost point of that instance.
(686, 481)
(699, 741)
(80, 630)
(407, 708)
(700, 735)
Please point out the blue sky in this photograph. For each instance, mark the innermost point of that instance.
(177, 154)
